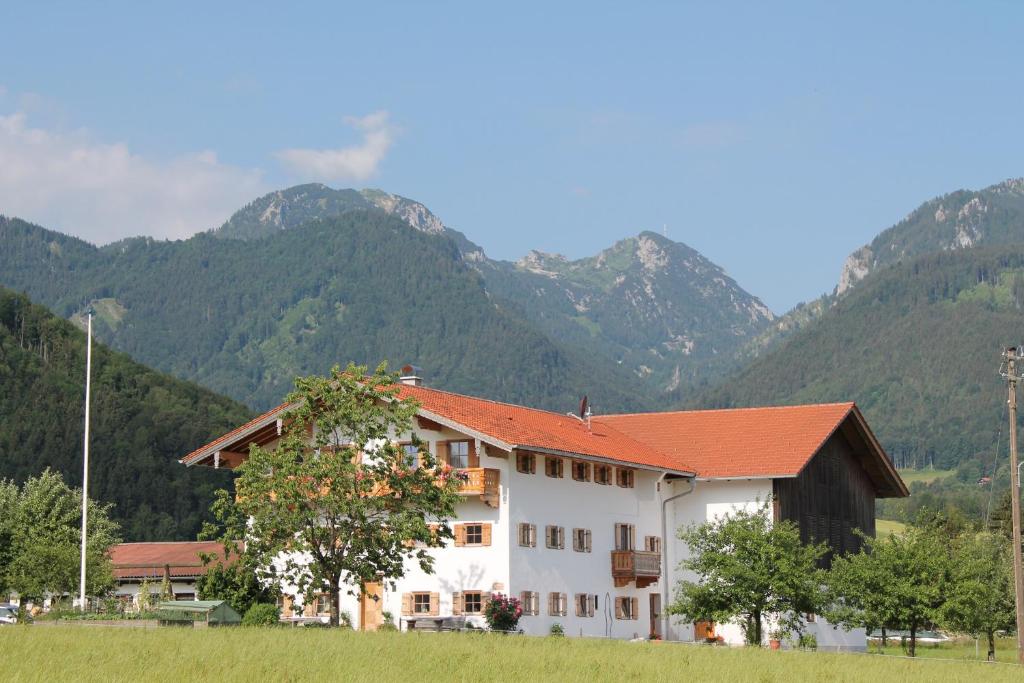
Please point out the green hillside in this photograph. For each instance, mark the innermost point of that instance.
(142, 421)
(244, 318)
(917, 345)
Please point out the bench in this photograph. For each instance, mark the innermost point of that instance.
(435, 624)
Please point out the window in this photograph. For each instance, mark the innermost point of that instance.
(580, 470)
(527, 535)
(603, 474)
(476, 533)
(811, 617)
(458, 454)
(553, 467)
(586, 605)
(625, 537)
(627, 608)
(554, 537)
(526, 463)
(530, 602)
(581, 540)
(472, 602)
(323, 603)
(421, 603)
(625, 478)
(557, 604)
(652, 544)
(411, 455)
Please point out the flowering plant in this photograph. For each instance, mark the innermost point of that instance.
(502, 612)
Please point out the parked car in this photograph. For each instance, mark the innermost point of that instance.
(8, 614)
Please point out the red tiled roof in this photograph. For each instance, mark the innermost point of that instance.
(225, 439)
(148, 560)
(740, 442)
(540, 429)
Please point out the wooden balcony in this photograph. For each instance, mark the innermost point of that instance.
(483, 482)
(641, 566)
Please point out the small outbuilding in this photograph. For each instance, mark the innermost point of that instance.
(197, 613)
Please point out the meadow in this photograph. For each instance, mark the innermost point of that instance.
(34, 653)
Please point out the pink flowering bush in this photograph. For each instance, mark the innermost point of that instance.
(502, 612)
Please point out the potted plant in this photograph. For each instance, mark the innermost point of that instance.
(775, 638)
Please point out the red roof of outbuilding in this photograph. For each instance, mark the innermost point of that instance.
(148, 560)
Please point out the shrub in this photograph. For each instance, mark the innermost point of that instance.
(557, 629)
(388, 622)
(503, 612)
(261, 614)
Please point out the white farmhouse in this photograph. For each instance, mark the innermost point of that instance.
(578, 517)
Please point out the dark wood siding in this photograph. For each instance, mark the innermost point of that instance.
(831, 497)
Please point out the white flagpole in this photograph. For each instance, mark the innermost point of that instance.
(85, 468)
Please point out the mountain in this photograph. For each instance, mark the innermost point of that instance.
(959, 220)
(656, 307)
(245, 317)
(917, 344)
(141, 422)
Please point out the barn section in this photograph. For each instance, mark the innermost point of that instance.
(825, 465)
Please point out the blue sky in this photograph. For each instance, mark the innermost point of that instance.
(775, 140)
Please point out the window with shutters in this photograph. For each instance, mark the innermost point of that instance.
(530, 602)
(458, 454)
(323, 603)
(555, 537)
(553, 467)
(474, 534)
(652, 544)
(603, 474)
(558, 604)
(625, 537)
(580, 470)
(526, 463)
(410, 455)
(421, 603)
(527, 535)
(586, 604)
(472, 602)
(625, 478)
(581, 540)
(627, 608)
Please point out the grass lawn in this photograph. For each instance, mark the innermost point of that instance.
(1006, 650)
(925, 475)
(34, 653)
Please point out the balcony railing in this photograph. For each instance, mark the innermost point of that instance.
(482, 481)
(641, 566)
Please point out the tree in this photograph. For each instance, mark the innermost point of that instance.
(237, 581)
(749, 569)
(41, 524)
(336, 502)
(896, 582)
(980, 597)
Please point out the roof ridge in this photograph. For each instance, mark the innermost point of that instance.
(163, 542)
(736, 409)
(494, 401)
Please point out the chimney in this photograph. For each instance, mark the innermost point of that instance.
(411, 375)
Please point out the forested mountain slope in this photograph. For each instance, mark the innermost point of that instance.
(917, 345)
(245, 317)
(142, 421)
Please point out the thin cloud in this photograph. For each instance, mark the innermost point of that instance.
(355, 163)
(103, 192)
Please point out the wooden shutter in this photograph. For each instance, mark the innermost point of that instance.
(632, 537)
(561, 537)
(460, 534)
(552, 604)
(532, 535)
(435, 604)
(635, 605)
(474, 457)
(586, 535)
(407, 604)
(309, 608)
(619, 614)
(442, 452)
(457, 604)
(485, 536)
(485, 598)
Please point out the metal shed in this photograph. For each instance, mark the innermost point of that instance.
(197, 613)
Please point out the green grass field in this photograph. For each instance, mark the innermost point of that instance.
(1006, 650)
(925, 475)
(35, 653)
(885, 527)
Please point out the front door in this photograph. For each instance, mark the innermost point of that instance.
(656, 615)
(371, 608)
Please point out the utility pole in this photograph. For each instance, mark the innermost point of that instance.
(1010, 358)
(85, 462)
